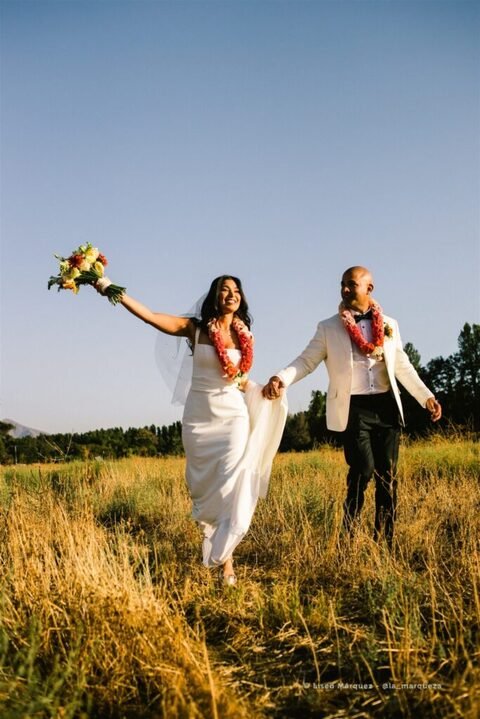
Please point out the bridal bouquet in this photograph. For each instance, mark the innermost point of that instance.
(85, 266)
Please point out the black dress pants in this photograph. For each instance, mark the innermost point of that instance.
(371, 443)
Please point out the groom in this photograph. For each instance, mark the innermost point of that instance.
(364, 357)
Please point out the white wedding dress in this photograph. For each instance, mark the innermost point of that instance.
(230, 439)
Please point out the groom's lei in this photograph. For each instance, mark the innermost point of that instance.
(379, 330)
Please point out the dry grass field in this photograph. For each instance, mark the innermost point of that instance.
(106, 610)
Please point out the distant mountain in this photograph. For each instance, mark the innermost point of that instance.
(19, 430)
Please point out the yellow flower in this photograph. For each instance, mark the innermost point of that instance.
(91, 254)
(72, 273)
(70, 285)
(85, 265)
(98, 267)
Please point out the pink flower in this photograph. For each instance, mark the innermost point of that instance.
(378, 333)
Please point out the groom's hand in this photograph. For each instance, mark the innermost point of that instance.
(435, 409)
(273, 389)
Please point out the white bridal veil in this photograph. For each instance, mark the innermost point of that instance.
(174, 358)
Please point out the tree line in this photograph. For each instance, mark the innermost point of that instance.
(454, 380)
(114, 443)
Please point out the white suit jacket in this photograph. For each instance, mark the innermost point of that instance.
(331, 343)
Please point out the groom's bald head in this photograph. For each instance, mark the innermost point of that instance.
(356, 287)
(360, 272)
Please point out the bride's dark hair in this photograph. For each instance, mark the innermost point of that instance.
(211, 309)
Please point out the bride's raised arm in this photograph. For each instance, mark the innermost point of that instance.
(170, 324)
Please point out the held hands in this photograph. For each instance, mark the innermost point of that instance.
(434, 408)
(273, 389)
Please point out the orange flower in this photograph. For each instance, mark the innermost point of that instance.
(245, 338)
(373, 348)
(75, 260)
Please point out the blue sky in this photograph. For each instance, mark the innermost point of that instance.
(278, 141)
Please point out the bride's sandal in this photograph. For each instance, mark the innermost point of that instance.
(229, 580)
(226, 580)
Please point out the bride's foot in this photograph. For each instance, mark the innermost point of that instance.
(228, 575)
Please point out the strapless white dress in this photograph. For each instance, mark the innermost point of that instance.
(230, 439)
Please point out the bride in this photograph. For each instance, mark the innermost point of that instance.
(230, 432)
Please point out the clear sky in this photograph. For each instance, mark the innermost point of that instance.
(278, 141)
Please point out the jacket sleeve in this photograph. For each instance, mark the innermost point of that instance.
(406, 373)
(314, 353)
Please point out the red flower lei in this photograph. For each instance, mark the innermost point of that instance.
(375, 347)
(236, 373)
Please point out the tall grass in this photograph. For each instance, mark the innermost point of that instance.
(106, 610)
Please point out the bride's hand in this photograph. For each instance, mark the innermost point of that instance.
(101, 284)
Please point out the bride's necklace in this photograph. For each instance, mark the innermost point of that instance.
(236, 373)
(375, 347)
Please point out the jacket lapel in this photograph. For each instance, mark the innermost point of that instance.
(343, 338)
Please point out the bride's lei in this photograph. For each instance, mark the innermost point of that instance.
(375, 347)
(236, 373)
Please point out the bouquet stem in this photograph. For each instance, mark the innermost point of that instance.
(113, 292)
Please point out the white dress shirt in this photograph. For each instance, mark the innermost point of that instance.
(369, 375)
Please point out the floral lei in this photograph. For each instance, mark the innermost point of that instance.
(379, 331)
(236, 373)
